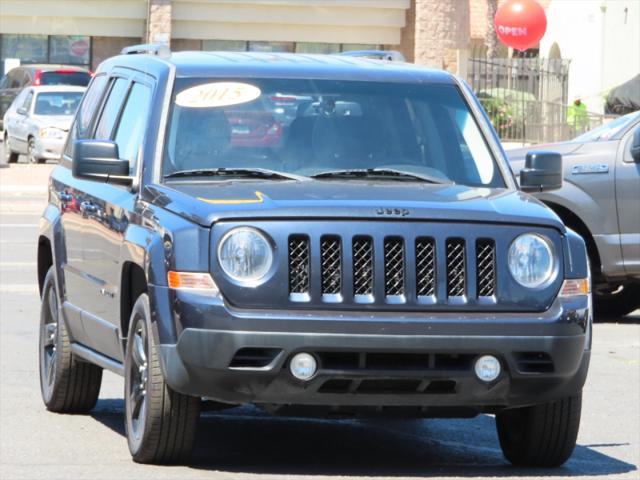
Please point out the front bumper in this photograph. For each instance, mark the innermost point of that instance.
(386, 360)
(49, 148)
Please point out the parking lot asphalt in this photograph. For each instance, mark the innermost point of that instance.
(245, 443)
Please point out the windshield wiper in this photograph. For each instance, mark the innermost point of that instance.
(262, 173)
(380, 173)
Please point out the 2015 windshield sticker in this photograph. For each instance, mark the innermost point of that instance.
(217, 94)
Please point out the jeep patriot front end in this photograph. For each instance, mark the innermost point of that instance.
(316, 235)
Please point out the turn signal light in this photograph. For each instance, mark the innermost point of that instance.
(575, 286)
(191, 281)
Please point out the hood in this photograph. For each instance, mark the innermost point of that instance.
(62, 122)
(516, 156)
(208, 202)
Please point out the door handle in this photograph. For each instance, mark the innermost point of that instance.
(65, 197)
(88, 207)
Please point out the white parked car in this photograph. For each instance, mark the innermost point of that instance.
(37, 122)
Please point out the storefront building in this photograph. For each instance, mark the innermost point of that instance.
(85, 32)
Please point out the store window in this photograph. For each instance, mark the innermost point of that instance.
(308, 47)
(69, 49)
(224, 45)
(28, 48)
(271, 47)
(346, 47)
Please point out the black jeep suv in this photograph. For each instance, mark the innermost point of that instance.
(316, 235)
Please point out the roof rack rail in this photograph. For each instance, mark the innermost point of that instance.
(389, 55)
(157, 49)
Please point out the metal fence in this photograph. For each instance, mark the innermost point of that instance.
(527, 98)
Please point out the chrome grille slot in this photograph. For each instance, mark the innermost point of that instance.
(331, 264)
(298, 264)
(425, 267)
(456, 267)
(362, 252)
(485, 267)
(394, 266)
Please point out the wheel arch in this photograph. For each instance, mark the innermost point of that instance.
(574, 222)
(45, 260)
(133, 283)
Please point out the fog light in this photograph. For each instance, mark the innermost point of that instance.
(487, 368)
(303, 366)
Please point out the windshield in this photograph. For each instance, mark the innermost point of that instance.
(57, 103)
(609, 130)
(307, 127)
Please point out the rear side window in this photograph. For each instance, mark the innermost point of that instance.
(86, 112)
(111, 109)
(27, 101)
(80, 79)
(133, 121)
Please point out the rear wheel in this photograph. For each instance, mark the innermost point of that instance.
(160, 423)
(67, 384)
(9, 155)
(617, 301)
(541, 435)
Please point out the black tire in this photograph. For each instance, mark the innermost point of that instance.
(618, 303)
(160, 423)
(541, 435)
(67, 385)
(9, 155)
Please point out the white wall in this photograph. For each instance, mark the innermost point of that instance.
(601, 38)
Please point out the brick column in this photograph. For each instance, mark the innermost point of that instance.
(440, 30)
(159, 22)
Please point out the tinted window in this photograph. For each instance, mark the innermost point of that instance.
(132, 124)
(111, 109)
(57, 103)
(79, 79)
(86, 112)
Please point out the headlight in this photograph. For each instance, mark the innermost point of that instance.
(531, 260)
(245, 254)
(51, 132)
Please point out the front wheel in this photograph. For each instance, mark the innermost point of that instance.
(160, 423)
(31, 152)
(618, 301)
(541, 435)
(68, 385)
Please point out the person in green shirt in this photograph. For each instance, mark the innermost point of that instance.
(577, 116)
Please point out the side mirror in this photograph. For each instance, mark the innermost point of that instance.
(635, 146)
(98, 160)
(542, 172)
(22, 111)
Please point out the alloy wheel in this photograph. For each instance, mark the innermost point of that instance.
(49, 342)
(138, 379)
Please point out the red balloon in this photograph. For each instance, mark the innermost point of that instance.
(520, 23)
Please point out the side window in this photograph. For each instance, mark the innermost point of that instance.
(131, 129)
(27, 101)
(111, 109)
(86, 112)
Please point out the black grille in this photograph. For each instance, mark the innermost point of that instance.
(425, 267)
(412, 271)
(486, 267)
(394, 266)
(362, 266)
(455, 267)
(331, 257)
(298, 264)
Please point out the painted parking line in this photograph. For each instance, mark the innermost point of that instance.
(18, 225)
(19, 288)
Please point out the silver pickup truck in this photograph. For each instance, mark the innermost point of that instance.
(600, 199)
